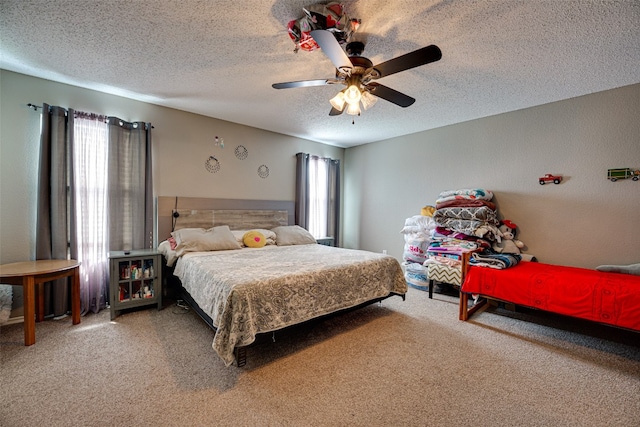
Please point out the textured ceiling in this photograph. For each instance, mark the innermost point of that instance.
(219, 58)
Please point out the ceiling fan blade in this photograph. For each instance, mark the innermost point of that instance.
(409, 60)
(390, 95)
(335, 112)
(332, 49)
(304, 83)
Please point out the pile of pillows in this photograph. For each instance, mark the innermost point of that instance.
(222, 238)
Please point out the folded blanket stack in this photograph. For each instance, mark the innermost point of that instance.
(494, 260)
(467, 214)
(468, 219)
(464, 220)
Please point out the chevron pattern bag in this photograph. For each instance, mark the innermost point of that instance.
(445, 274)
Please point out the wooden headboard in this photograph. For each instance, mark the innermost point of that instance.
(238, 214)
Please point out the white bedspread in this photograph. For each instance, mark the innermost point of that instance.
(250, 291)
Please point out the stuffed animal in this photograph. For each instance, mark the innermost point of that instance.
(427, 211)
(508, 243)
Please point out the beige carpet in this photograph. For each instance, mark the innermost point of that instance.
(408, 363)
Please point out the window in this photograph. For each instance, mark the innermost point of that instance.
(318, 197)
(317, 204)
(90, 186)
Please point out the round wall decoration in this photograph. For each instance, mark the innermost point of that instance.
(263, 171)
(212, 164)
(241, 152)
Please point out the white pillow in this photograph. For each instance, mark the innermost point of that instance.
(169, 254)
(198, 240)
(287, 235)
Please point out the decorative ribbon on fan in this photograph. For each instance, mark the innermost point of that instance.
(331, 16)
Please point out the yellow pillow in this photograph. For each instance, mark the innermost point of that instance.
(254, 239)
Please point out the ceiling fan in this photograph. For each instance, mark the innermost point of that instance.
(357, 74)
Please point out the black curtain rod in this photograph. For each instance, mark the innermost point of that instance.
(35, 108)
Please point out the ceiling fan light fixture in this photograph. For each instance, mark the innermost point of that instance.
(338, 101)
(354, 109)
(352, 95)
(368, 100)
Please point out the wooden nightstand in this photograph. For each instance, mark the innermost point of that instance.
(327, 241)
(135, 279)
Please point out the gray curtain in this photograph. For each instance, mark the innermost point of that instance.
(130, 185)
(333, 208)
(54, 222)
(302, 190)
(130, 209)
(333, 190)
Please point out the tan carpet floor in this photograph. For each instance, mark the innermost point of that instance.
(399, 363)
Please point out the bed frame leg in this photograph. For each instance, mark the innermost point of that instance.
(464, 301)
(465, 311)
(241, 356)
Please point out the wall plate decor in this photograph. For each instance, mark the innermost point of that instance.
(212, 164)
(241, 152)
(263, 171)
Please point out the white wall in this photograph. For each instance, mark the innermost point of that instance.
(585, 221)
(182, 142)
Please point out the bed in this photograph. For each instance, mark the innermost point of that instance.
(604, 297)
(243, 292)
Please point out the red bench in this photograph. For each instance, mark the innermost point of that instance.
(609, 298)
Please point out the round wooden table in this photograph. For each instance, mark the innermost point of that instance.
(31, 275)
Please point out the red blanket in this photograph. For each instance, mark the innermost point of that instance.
(611, 298)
